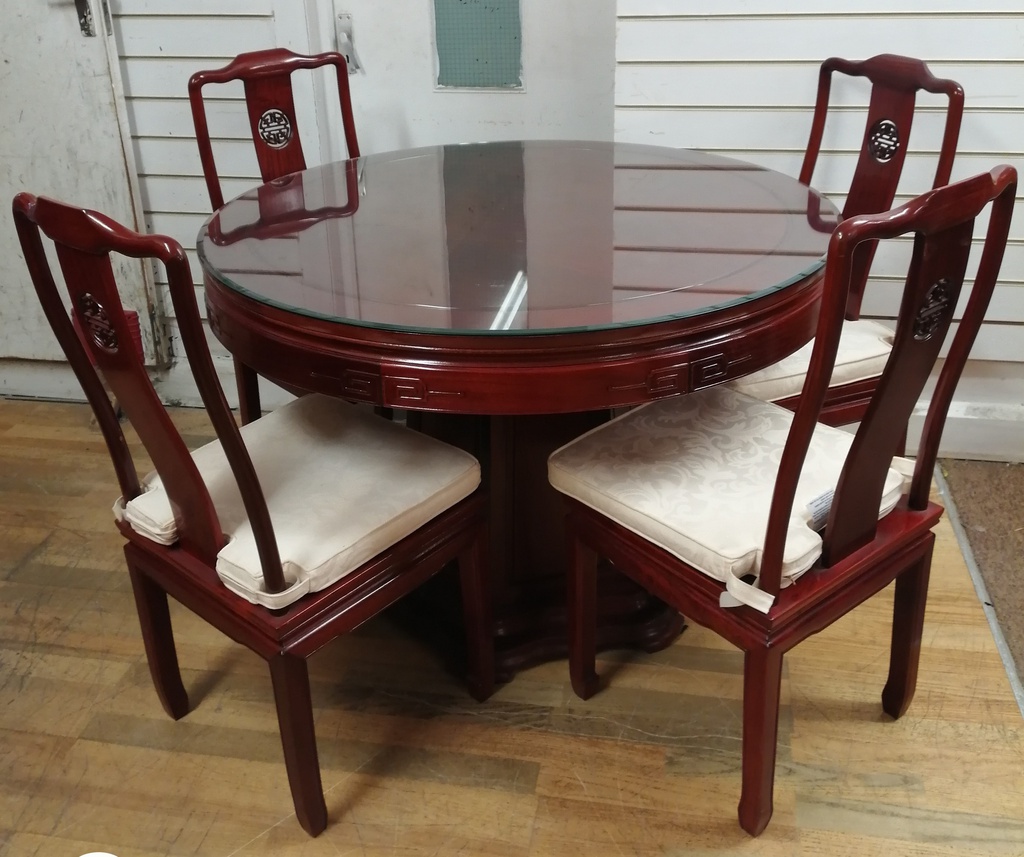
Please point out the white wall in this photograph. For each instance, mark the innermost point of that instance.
(568, 76)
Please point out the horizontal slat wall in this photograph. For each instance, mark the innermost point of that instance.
(739, 77)
(161, 44)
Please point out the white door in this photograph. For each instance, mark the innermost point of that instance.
(63, 134)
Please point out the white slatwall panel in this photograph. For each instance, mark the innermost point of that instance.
(739, 77)
(161, 43)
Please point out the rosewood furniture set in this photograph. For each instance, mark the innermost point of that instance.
(553, 318)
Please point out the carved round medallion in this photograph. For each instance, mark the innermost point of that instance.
(934, 308)
(96, 321)
(275, 128)
(884, 140)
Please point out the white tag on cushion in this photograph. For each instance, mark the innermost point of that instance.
(819, 507)
(738, 592)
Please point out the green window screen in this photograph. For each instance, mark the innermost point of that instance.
(479, 43)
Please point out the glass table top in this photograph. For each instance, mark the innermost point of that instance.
(518, 238)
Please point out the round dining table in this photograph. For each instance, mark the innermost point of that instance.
(509, 296)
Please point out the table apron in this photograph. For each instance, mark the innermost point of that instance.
(468, 375)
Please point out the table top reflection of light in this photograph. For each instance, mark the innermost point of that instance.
(511, 304)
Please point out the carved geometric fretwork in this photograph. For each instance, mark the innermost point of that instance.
(668, 381)
(409, 390)
(714, 368)
(98, 323)
(936, 305)
(884, 140)
(275, 128)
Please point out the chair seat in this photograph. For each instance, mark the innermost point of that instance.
(695, 474)
(863, 351)
(341, 486)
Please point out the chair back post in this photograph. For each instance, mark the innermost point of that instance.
(838, 273)
(202, 130)
(84, 240)
(348, 119)
(193, 337)
(1004, 190)
(270, 104)
(817, 121)
(895, 81)
(73, 347)
(943, 223)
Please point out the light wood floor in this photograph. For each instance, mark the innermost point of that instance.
(412, 766)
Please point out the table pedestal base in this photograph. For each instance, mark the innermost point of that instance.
(535, 630)
(528, 545)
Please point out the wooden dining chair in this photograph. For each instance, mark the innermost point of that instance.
(894, 82)
(285, 534)
(270, 102)
(766, 525)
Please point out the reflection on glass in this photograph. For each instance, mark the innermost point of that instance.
(511, 313)
(445, 238)
(281, 209)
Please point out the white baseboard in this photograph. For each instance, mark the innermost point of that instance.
(986, 416)
(26, 379)
(176, 387)
(986, 419)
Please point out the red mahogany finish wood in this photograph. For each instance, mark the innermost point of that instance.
(895, 82)
(861, 554)
(285, 638)
(269, 99)
(641, 272)
(266, 77)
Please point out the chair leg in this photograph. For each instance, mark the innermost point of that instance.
(762, 679)
(907, 628)
(478, 617)
(248, 383)
(581, 615)
(290, 677)
(158, 639)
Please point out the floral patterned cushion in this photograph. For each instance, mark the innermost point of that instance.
(341, 485)
(863, 351)
(695, 474)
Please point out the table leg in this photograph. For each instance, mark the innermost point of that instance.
(248, 383)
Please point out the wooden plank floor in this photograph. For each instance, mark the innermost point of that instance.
(412, 766)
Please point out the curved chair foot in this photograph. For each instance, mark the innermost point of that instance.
(586, 685)
(762, 680)
(158, 639)
(907, 629)
(290, 677)
(754, 816)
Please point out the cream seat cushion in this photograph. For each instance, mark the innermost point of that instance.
(695, 474)
(864, 349)
(341, 485)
